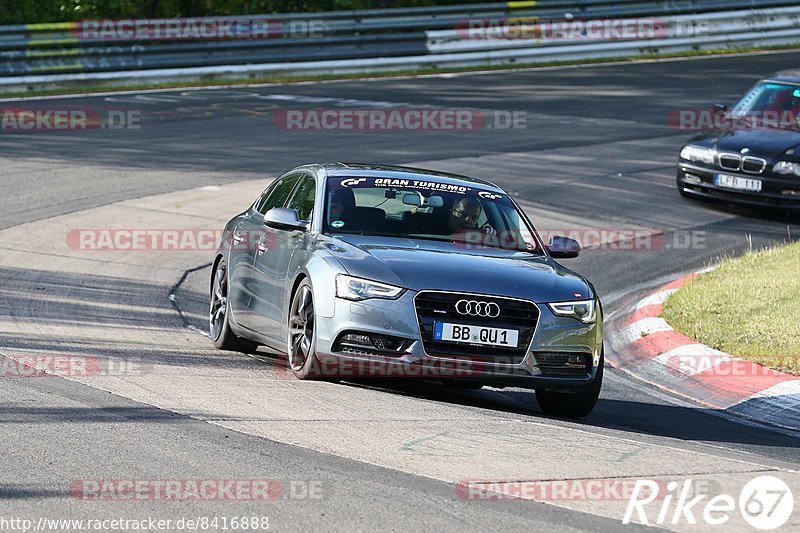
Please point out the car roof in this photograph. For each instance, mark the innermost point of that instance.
(789, 76)
(401, 172)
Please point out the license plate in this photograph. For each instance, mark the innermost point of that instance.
(469, 334)
(737, 182)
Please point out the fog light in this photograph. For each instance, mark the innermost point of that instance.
(372, 342)
(789, 192)
(354, 338)
(576, 360)
(691, 178)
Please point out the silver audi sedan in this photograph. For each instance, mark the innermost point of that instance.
(367, 271)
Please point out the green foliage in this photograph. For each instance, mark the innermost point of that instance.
(33, 11)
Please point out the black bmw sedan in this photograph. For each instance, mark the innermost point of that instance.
(751, 156)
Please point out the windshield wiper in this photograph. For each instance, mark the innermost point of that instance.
(433, 238)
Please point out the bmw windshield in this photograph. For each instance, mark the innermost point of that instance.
(426, 209)
(770, 104)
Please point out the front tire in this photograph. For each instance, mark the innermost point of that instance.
(302, 338)
(219, 327)
(572, 405)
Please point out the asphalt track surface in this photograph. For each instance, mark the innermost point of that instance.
(596, 153)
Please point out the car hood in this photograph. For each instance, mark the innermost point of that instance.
(421, 264)
(762, 142)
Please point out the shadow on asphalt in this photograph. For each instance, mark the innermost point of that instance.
(754, 213)
(19, 492)
(684, 423)
(14, 414)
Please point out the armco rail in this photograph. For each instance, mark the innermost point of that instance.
(385, 39)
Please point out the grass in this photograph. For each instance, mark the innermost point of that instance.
(748, 307)
(90, 87)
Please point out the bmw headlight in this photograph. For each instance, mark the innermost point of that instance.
(583, 310)
(352, 288)
(696, 154)
(786, 167)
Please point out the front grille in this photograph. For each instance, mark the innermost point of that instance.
(557, 363)
(551, 358)
(514, 314)
(566, 371)
(754, 165)
(730, 161)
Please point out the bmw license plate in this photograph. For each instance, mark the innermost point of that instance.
(469, 334)
(737, 182)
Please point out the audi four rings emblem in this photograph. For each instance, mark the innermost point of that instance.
(475, 308)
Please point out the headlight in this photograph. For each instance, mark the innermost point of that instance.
(697, 154)
(351, 288)
(786, 167)
(583, 310)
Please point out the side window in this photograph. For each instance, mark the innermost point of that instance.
(303, 198)
(276, 195)
(259, 203)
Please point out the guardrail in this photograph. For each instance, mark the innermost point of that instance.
(379, 39)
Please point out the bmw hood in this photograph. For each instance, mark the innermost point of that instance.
(761, 142)
(417, 265)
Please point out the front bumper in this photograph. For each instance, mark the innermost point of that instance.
(777, 192)
(553, 336)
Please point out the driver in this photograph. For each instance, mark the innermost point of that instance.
(341, 205)
(464, 216)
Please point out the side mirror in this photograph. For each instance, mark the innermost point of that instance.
(282, 218)
(563, 247)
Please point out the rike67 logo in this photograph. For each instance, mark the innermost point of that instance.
(765, 503)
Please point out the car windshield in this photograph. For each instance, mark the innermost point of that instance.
(770, 104)
(426, 209)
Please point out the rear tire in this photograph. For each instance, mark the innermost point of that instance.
(572, 405)
(219, 315)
